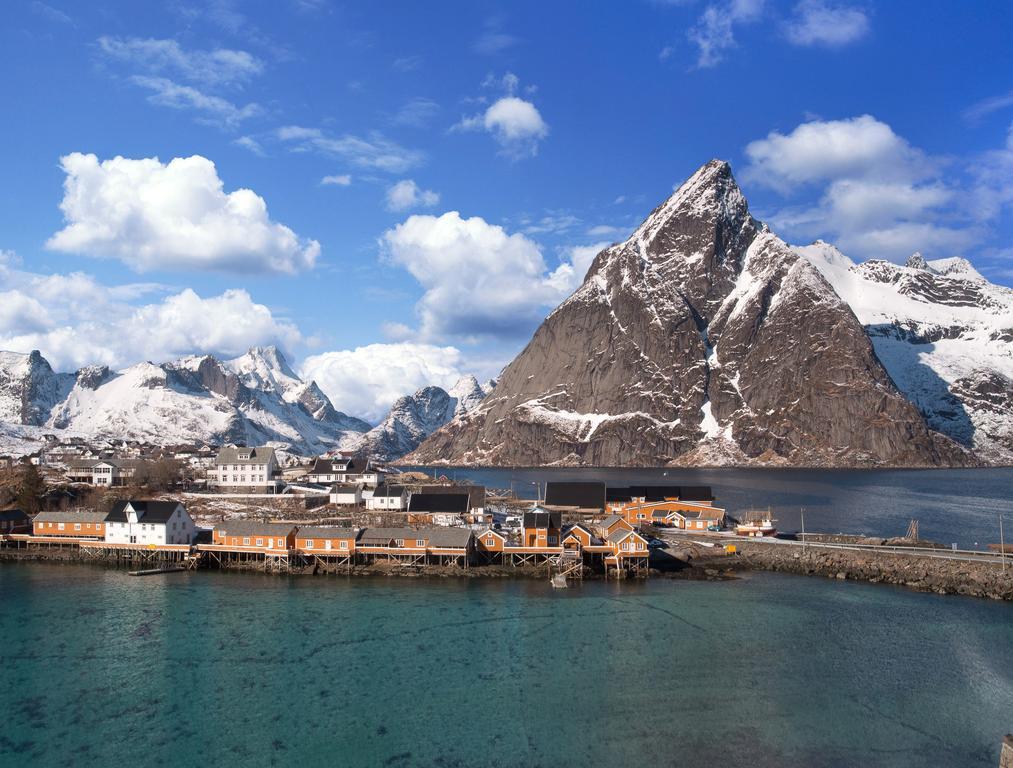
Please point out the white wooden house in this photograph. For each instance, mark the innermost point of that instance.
(149, 522)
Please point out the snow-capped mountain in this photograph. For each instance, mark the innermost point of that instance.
(704, 338)
(253, 399)
(945, 335)
(413, 418)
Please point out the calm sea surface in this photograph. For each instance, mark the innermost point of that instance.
(100, 669)
(961, 506)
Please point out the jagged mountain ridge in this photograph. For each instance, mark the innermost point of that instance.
(253, 399)
(703, 338)
(945, 335)
(414, 417)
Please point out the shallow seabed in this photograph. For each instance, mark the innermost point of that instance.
(189, 669)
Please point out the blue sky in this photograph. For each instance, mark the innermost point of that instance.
(425, 181)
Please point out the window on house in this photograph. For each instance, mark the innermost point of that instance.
(59, 526)
(260, 542)
(399, 542)
(420, 543)
(626, 546)
(343, 544)
(309, 543)
(246, 541)
(281, 542)
(77, 526)
(490, 542)
(552, 540)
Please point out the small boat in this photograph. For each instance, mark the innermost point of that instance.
(757, 525)
(558, 581)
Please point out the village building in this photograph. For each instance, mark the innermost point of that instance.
(437, 508)
(575, 497)
(541, 528)
(80, 524)
(490, 544)
(149, 522)
(245, 470)
(689, 507)
(346, 494)
(388, 497)
(580, 536)
(629, 550)
(103, 472)
(475, 494)
(14, 521)
(325, 542)
(253, 535)
(418, 546)
(611, 524)
(345, 470)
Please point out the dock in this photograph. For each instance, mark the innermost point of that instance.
(156, 571)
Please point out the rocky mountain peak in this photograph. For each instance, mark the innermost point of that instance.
(917, 261)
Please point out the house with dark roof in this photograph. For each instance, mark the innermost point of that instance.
(475, 494)
(583, 496)
(240, 469)
(144, 522)
(665, 505)
(541, 527)
(437, 508)
(346, 494)
(103, 472)
(14, 521)
(344, 469)
(388, 497)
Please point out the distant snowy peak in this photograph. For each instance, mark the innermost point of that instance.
(253, 399)
(944, 334)
(467, 393)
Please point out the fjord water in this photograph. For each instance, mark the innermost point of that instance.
(236, 669)
(952, 505)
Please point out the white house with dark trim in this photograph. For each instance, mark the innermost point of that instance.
(149, 522)
(241, 469)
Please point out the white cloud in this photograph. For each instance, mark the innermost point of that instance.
(175, 215)
(416, 112)
(248, 142)
(822, 150)
(376, 152)
(216, 110)
(714, 32)
(554, 222)
(604, 230)
(881, 197)
(406, 194)
(816, 22)
(516, 124)
(74, 320)
(340, 180)
(479, 280)
(492, 43)
(367, 380)
(987, 106)
(213, 67)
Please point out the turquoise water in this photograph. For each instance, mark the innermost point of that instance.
(226, 669)
(952, 505)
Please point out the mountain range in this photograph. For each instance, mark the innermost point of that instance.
(253, 399)
(705, 338)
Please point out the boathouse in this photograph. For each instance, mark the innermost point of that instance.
(489, 544)
(578, 497)
(437, 508)
(255, 536)
(346, 494)
(388, 497)
(14, 521)
(149, 522)
(81, 524)
(417, 546)
(541, 528)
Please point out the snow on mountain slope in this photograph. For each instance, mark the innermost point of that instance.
(944, 334)
(414, 417)
(254, 399)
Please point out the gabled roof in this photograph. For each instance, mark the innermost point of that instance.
(382, 536)
(611, 520)
(318, 532)
(230, 455)
(456, 503)
(592, 538)
(254, 528)
(147, 511)
(621, 533)
(79, 516)
(542, 518)
(586, 495)
(493, 531)
(388, 491)
(449, 537)
(12, 515)
(475, 493)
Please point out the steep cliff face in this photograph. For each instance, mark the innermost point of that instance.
(701, 339)
(29, 388)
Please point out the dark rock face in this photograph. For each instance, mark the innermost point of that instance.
(701, 339)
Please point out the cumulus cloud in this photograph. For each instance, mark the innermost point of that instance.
(376, 152)
(479, 280)
(406, 194)
(209, 67)
(365, 381)
(714, 32)
(175, 215)
(880, 197)
(516, 124)
(816, 22)
(74, 320)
